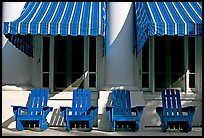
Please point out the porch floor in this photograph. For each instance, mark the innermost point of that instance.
(60, 131)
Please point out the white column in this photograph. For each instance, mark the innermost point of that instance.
(119, 70)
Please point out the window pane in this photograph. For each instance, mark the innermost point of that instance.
(177, 54)
(61, 80)
(192, 80)
(77, 45)
(145, 80)
(169, 61)
(161, 81)
(92, 80)
(160, 54)
(160, 62)
(46, 54)
(61, 64)
(77, 54)
(92, 54)
(46, 80)
(77, 80)
(61, 42)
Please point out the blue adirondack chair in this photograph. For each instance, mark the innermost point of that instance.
(81, 114)
(120, 113)
(171, 114)
(35, 112)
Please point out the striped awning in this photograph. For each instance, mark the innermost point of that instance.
(168, 18)
(57, 18)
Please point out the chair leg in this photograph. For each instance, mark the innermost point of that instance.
(113, 125)
(19, 125)
(137, 126)
(164, 126)
(68, 126)
(187, 127)
(43, 125)
(90, 125)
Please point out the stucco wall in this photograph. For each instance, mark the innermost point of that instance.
(15, 64)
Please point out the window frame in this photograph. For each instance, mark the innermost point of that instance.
(198, 65)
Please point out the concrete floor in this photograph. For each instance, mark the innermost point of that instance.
(60, 131)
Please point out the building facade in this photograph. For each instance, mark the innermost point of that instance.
(127, 45)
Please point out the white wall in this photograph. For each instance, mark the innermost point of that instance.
(15, 64)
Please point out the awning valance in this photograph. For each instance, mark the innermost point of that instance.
(59, 18)
(168, 18)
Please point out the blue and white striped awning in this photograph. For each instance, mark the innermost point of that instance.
(168, 18)
(58, 18)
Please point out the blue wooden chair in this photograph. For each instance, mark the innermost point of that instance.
(81, 114)
(35, 112)
(120, 113)
(171, 114)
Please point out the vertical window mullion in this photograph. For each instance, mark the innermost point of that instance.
(152, 63)
(186, 63)
(198, 63)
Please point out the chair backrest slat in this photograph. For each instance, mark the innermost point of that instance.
(74, 102)
(41, 101)
(171, 102)
(128, 103)
(84, 99)
(124, 103)
(114, 100)
(118, 102)
(35, 102)
(81, 101)
(178, 102)
(88, 104)
(30, 102)
(37, 99)
(121, 102)
(164, 102)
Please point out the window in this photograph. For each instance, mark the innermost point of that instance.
(46, 63)
(67, 61)
(172, 57)
(92, 62)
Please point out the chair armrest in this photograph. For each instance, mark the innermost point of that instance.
(65, 110)
(109, 111)
(65, 107)
(18, 107)
(93, 107)
(109, 108)
(93, 110)
(188, 108)
(159, 109)
(17, 110)
(47, 108)
(137, 108)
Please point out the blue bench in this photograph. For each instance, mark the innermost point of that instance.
(120, 113)
(81, 114)
(35, 112)
(172, 115)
